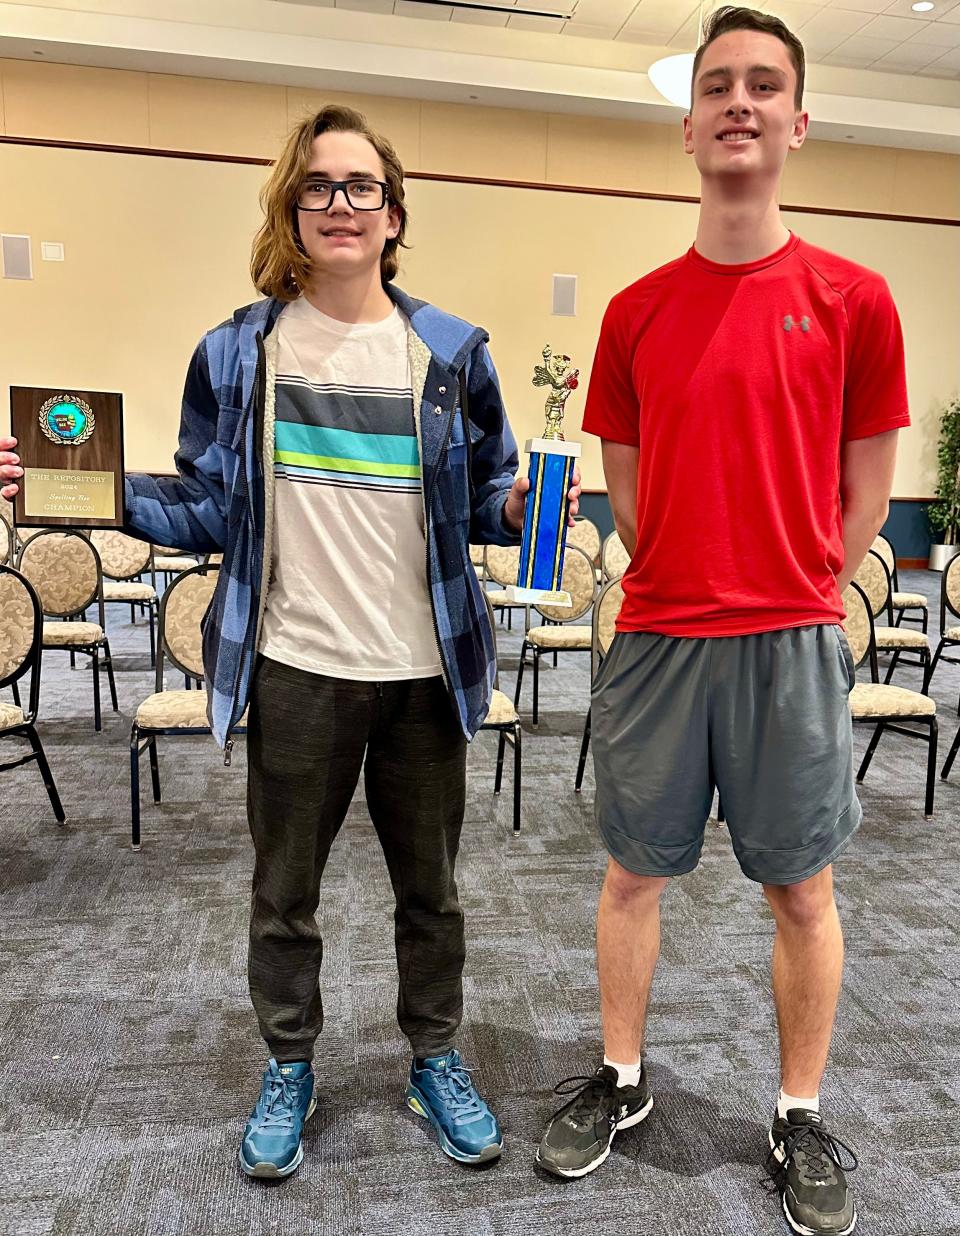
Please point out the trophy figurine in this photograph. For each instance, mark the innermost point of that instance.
(551, 475)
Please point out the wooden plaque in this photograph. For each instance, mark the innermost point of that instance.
(70, 445)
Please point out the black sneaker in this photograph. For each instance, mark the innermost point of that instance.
(808, 1169)
(579, 1135)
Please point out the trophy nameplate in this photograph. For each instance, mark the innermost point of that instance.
(70, 444)
(552, 460)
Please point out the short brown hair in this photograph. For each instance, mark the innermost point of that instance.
(732, 17)
(279, 265)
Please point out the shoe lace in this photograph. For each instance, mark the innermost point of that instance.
(589, 1093)
(459, 1093)
(279, 1103)
(821, 1153)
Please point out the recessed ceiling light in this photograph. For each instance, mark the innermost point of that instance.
(922, 6)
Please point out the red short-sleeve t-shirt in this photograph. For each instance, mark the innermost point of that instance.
(740, 384)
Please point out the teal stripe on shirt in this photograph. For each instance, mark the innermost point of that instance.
(344, 444)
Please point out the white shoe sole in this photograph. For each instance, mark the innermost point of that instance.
(800, 1227)
(574, 1173)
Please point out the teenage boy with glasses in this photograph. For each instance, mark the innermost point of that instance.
(324, 448)
(748, 396)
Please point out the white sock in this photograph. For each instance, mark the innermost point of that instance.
(627, 1074)
(786, 1101)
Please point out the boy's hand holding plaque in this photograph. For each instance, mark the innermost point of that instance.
(70, 445)
(551, 475)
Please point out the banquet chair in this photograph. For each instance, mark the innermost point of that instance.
(602, 630)
(21, 649)
(881, 705)
(64, 568)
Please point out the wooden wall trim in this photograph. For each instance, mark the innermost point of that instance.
(445, 178)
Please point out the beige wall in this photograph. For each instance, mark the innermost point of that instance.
(157, 248)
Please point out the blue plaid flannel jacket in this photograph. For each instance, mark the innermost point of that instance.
(218, 500)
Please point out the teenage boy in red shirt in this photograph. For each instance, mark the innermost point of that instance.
(749, 396)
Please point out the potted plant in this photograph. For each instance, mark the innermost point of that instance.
(944, 512)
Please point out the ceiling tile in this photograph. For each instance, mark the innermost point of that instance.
(908, 57)
(794, 12)
(687, 37)
(859, 52)
(829, 21)
(903, 8)
(938, 34)
(581, 30)
(478, 18)
(543, 25)
(367, 6)
(946, 66)
(864, 6)
(951, 15)
(431, 12)
(659, 18)
(890, 28)
(604, 12)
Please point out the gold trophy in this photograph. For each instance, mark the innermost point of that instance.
(551, 475)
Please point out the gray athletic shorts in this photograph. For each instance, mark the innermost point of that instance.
(763, 718)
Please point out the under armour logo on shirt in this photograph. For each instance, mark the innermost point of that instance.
(789, 323)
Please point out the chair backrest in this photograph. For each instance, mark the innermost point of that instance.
(6, 540)
(614, 558)
(579, 579)
(121, 556)
(502, 563)
(586, 536)
(874, 578)
(476, 554)
(182, 607)
(605, 614)
(885, 549)
(950, 590)
(858, 625)
(493, 630)
(65, 570)
(21, 633)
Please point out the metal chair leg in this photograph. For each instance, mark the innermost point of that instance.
(16, 693)
(96, 691)
(153, 638)
(108, 662)
(584, 748)
(868, 755)
(499, 777)
(536, 687)
(154, 768)
(523, 661)
(893, 665)
(48, 781)
(933, 663)
(951, 756)
(135, 788)
(931, 770)
(517, 765)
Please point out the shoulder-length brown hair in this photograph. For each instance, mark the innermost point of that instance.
(279, 265)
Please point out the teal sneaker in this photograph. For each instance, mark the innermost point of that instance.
(272, 1145)
(441, 1091)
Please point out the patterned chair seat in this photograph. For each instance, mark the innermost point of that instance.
(569, 638)
(502, 711)
(114, 590)
(875, 699)
(176, 710)
(10, 715)
(174, 564)
(952, 633)
(898, 637)
(909, 600)
(63, 634)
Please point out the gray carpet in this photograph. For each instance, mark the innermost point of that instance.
(130, 1056)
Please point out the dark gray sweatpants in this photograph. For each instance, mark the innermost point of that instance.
(763, 718)
(309, 737)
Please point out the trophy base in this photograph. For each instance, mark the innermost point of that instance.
(537, 596)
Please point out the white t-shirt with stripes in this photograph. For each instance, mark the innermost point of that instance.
(348, 595)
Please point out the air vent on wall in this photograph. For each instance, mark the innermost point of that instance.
(16, 257)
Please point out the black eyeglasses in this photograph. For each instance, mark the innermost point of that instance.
(360, 194)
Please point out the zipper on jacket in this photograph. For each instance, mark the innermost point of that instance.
(427, 498)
